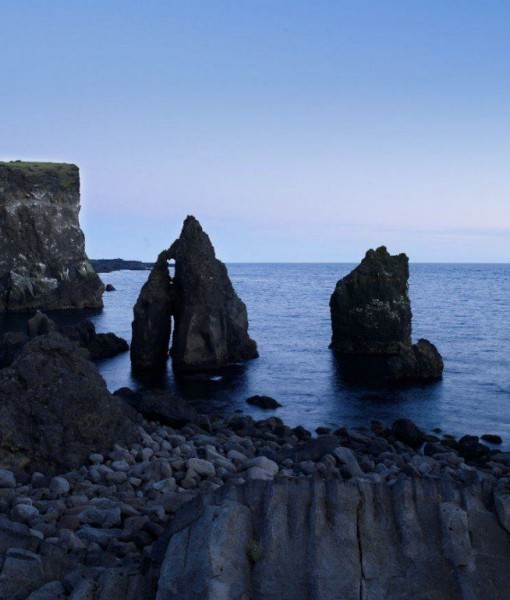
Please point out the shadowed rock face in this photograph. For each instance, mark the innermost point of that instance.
(153, 319)
(56, 408)
(211, 322)
(323, 540)
(370, 307)
(371, 322)
(42, 251)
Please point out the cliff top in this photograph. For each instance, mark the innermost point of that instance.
(37, 167)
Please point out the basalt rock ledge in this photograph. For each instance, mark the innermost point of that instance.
(42, 248)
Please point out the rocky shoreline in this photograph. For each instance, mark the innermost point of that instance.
(82, 533)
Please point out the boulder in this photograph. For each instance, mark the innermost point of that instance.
(99, 345)
(42, 248)
(404, 430)
(11, 345)
(265, 402)
(152, 321)
(56, 409)
(40, 324)
(157, 405)
(211, 322)
(371, 323)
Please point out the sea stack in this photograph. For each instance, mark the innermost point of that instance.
(152, 323)
(210, 322)
(43, 264)
(371, 321)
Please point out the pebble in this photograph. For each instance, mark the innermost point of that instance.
(60, 486)
(7, 479)
(201, 467)
(24, 513)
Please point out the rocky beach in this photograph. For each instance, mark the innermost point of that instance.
(242, 509)
(137, 495)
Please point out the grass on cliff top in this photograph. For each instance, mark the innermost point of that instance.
(37, 166)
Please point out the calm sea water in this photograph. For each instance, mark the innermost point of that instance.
(463, 309)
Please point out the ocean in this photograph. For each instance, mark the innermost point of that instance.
(464, 309)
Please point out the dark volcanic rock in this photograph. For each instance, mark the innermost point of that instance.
(107, 265)
(471, 449)
(109, 288)
(419, 362)
(56, 409)
(40, 324)
(152, 321)
(492, 438)
(371, 322)
(157, 405)
(263, 402)
(42, 250)
(10, 346)
(99, 345)
(211, 322)
(321, 540)
(370, 307)
(404, 430)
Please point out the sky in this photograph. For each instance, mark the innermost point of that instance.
(294, 131)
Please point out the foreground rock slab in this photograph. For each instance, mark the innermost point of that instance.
(317, 539)
(371, 323)
(42, 248)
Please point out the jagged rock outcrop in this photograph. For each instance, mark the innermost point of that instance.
(210, 320)
(322, 540)
(56, 408)
(152, 321)
(108, 265)
(42, 251)
(371, 322)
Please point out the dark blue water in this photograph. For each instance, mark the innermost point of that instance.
(463, 309)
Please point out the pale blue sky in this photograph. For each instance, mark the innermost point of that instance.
(294, 131)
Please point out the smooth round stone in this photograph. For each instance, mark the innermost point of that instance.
(24, 513)
(60, 486)
(7, 479)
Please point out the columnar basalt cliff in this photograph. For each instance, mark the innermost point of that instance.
(371, 318)
(42, 250)
(210, 320)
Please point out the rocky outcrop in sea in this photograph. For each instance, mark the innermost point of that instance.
(371, 323)
(210, 321)
(42, 250)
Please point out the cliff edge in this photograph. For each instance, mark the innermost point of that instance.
(42, 248)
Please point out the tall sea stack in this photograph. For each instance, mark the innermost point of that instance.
(210, 322)
(371, 321)
(42, 248)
